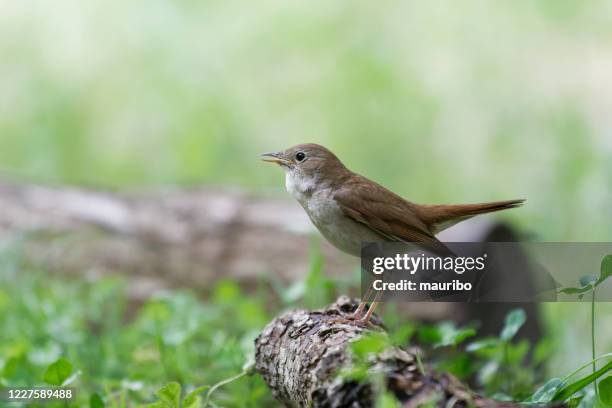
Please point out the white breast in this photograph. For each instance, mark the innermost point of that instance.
(341, 231)
(318, 201)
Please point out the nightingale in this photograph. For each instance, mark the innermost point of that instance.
(349, 209)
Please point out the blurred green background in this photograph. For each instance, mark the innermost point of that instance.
(444, 101)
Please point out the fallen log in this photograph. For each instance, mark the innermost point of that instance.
(300, 354)
(162, 238)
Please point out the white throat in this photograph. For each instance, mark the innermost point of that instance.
(300, 187)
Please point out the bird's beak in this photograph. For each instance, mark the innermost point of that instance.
(274, 157)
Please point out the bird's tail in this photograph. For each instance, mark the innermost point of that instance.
(440, 217)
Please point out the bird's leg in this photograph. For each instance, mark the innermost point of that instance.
(359, 311)
(356, 318)
(358, 314)
(368, 316)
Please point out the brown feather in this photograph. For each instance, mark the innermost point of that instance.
(440, 217)
(386, 213)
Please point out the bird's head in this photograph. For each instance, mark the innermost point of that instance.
(308, 162)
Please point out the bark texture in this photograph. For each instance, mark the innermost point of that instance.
(299, 354)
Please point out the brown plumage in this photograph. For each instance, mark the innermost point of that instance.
(322, 184)
(349, 210)
(441, 216)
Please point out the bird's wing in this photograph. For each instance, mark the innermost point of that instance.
(384, 212)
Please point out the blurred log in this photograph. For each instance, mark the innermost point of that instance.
(300, 354)
(192, 238)
(161, 238)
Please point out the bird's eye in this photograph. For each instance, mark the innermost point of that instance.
(300, 156)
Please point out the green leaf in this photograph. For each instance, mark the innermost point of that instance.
(402, 335)
(606, 269)
(10, 367)
(371, 343)
(193, 400)
(461, 365)
(514, 320)
(58, 372)
(482, 344)
(515, 353)
(545, 393)
(95, 401)
(358, 372)
(429, 334)
(486, 374)
(170, 394)
(573, 291)
(605, 390)
(574, 387)
(451, 336)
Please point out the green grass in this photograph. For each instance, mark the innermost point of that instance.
(122, 353)
(86, 329)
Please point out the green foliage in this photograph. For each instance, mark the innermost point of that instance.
(497, 363)
(606, 269)
(605, 391)
(169, 396)
(194, 398)
(444, 334)
(451, 336)
(176, 350)
(514, 321)
(370, 343)
(575, 401)
(546, 393)
(589, 283)
(363, 349)
(95, 401)
(557, 389)
(566, 391)
(315, 289)
(58, 372)
(500, 364)
(55, 328)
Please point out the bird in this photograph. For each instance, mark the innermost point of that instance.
(349, 209)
